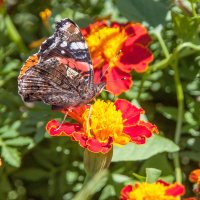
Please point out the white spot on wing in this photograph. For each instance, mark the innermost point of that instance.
(63, 44)
(63, 52)
(71, 73)
(77, 45)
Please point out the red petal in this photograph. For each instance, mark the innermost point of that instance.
(135, 57)
(65, 129)
(81, 138)
(162, 182)
(153, 128)
(95, 146)
(175, 190)
(118, 81)
(124, 194)
(130, 113)
(137, 34)
(99, 74)
(138, 133)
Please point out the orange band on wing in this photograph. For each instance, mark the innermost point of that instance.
(82, 66)
(30, 62)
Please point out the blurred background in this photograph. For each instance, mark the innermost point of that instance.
(37, 167)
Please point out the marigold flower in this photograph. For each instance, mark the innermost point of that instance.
(104, 124)
(194, 176)
(152, 191)
(116, 50)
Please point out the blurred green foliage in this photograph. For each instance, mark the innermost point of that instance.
(35, 166)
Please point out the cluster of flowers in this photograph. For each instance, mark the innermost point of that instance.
(116, 50)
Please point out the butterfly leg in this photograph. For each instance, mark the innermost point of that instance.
(63, 120)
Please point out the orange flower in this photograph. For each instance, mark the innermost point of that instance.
(116, 50)
(152, 191)
(104, 124)
(45, 14)
(194, 176)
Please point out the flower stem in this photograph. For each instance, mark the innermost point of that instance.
(141, 85)
(95, 163)
(193, 9)
(177, 136)
(14, 34)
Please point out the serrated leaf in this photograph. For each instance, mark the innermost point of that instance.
(152, 175)
(19, 141)
(11, 156)
(133, 152)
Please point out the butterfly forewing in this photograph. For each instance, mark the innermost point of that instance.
(61, 73)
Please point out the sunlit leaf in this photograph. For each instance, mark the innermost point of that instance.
(11, 156)
(153, 146)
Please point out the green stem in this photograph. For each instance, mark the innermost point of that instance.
(141, 85)
(14, 34)
(177, 136)
(162, 43)
(165, 51)
(193, 9)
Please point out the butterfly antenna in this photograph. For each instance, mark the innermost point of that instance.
(63, 120)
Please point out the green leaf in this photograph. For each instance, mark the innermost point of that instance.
(11, 156)
(152, 175)
(32, 174)
(168, 112)
(153, 146)
(19, 141)
(153, 12)
(108, 192)
(139, 177)
(159, 161)
(183, 23)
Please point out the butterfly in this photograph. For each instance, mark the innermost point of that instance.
(60, 73)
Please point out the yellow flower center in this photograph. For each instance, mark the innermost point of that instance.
(105, 43)
(146, 191)
(102, 121)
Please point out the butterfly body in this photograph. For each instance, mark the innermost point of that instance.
(61, 73)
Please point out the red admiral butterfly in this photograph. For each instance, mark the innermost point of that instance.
(61, 73)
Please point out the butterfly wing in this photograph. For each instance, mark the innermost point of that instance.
(61, 71)
(47, 82)
(68, 44)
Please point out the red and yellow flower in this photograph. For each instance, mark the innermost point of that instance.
(152, 191)
(194, 176)
(116, 50)
(103, 124)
